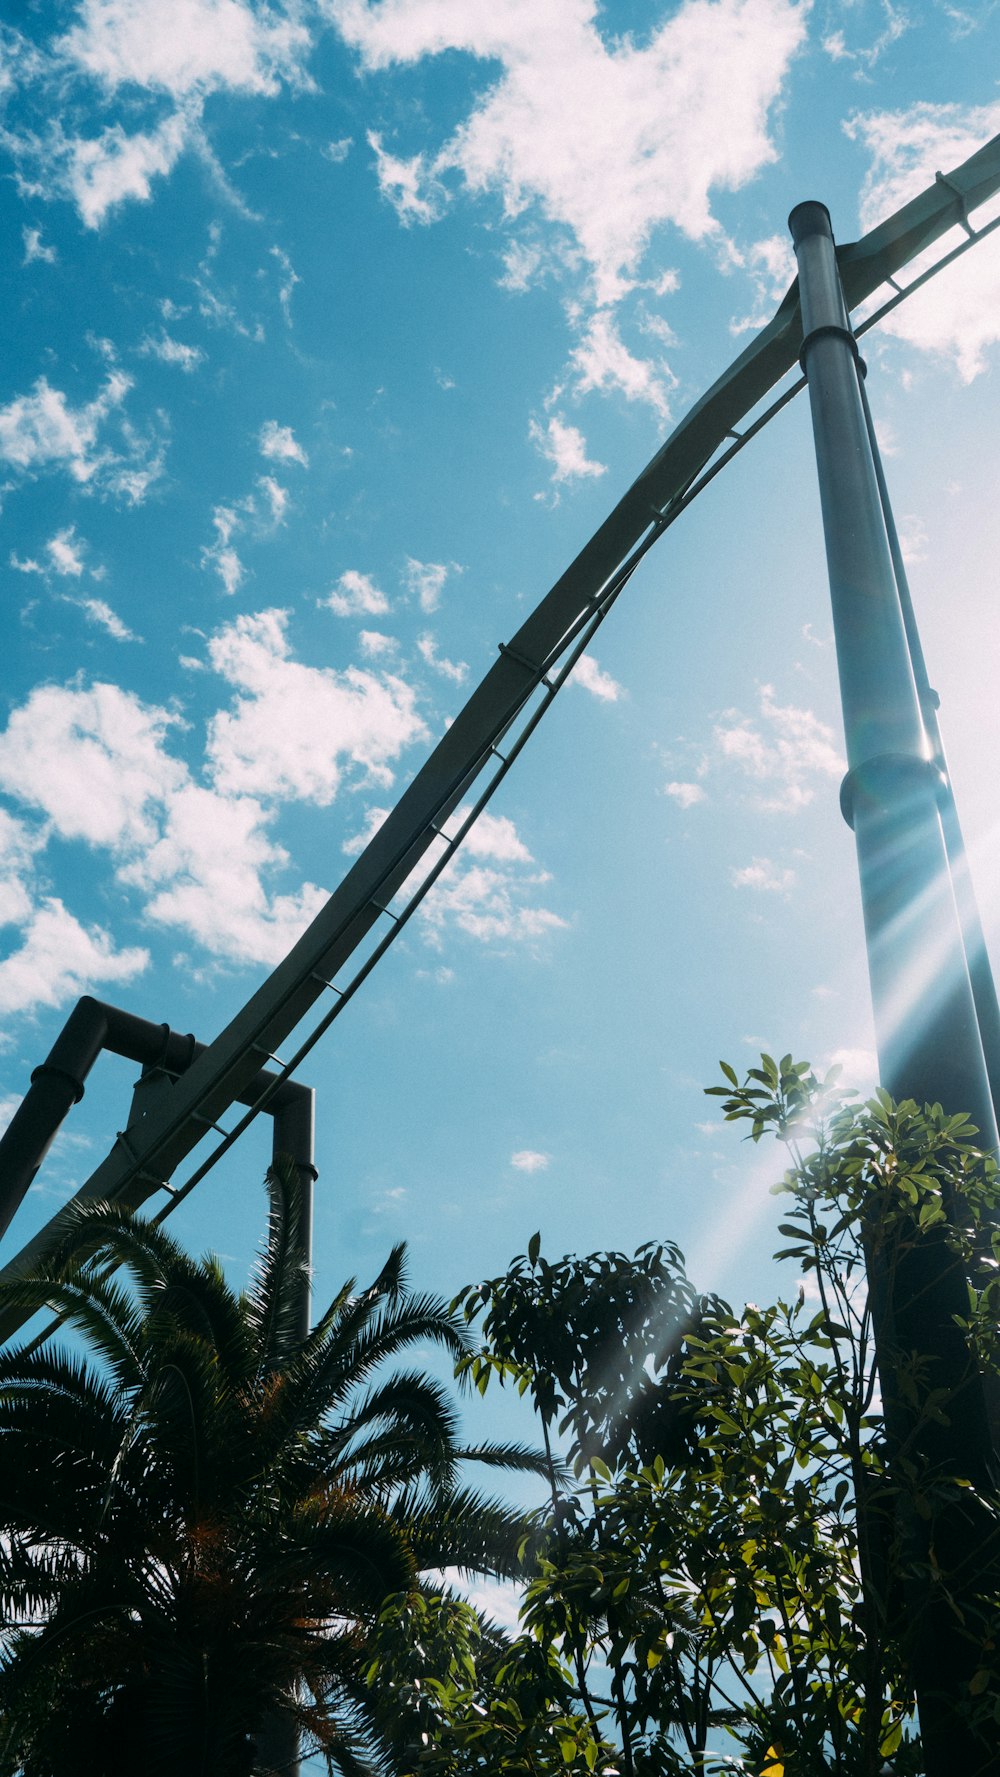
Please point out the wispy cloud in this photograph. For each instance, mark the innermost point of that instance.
(785, 750)
(98, 612)
(35, 249)
(488, 890)
(591, 677)
(602, 361)
(170, 351)
(530, 1160)
(764, 876)
(280, 444)
(456, 670)
(565, 448)
(43, 430)
(356, 595)
(425, 581)
(685, 795)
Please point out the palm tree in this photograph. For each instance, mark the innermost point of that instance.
(202, 1515)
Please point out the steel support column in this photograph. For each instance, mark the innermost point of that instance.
(927, 1031)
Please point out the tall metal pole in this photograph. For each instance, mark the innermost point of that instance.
(927, 1032)
(984, 990)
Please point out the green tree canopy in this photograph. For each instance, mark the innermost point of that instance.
(203, 1515)
(730, 1578)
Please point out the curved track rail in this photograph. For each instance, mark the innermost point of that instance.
(385, 883)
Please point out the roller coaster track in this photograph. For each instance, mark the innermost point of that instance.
(404, 858)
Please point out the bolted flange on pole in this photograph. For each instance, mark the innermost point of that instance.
(927, 1032)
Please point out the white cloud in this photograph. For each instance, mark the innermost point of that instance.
(409, 185)
(103, 171)
(374, 819)
(488, 905)
(786, 750)
(259, 514)
(859, 1068)
(42, 430)
(216, 306)
(955, 315)
(487, 888)
(289, 279)
(60, 959)
(339, 150)
(35, 250)
(530, 1160)
(171, 351)
(204, 874)
(294, 729)
(592, 678)
(97, 611)
(356, 595)
(456, 670)
(221, 555)
(521, 262)
(275, 495)
(92, 761)
(65, 553)
(18, 846)
(376, 645)
(896, 22)
(764, 876)
(493, 836)
(771, 266)
(913, 539)
(603, 361)
(609, 140)
(565, 447)
(185, 47)
(425, 581)
(281, 444)
(685, 794)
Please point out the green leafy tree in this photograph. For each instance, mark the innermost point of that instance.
(729, 1570)
(203, 1515)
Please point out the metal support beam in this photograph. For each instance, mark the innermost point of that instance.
(164, 1055)
(927, 1030)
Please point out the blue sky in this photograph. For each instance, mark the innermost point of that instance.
(334, 330)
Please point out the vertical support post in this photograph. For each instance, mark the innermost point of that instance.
(927, 1032)
(278, 1748)
(293, 1139)
(984, 990)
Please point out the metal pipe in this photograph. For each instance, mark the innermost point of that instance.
(984, 990)
(59, 1083)
(278, 1742)
(930, 1050)
(293, 1139)
(927, 1031)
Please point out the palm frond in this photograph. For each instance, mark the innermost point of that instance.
(103, 1312)
(271, 1305)
(476, 1535)
(518, 1457)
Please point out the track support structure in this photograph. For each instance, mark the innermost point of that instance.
(927, 1029)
